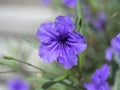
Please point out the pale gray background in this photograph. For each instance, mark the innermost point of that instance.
(20, 19)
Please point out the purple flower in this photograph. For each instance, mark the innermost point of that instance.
(100, 22)
(17, 84)
(70, 3)
(102, 86)
(46, 2)
(99, 79)
(114, 49)
(115, 44)
(86, 12)
(59, 42)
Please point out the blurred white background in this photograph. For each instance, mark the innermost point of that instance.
(20, 19)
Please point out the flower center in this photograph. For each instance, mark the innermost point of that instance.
(63, 40)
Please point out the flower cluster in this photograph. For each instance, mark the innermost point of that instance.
(17, 84)
(60, 43)
(99, 79)
(114, 49)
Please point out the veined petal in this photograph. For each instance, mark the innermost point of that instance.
(48, 52)
(77, 42)
(47, 32)
(59, 42)
(64, 24)
(67, 57)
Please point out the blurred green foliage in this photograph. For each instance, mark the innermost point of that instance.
(58, 78)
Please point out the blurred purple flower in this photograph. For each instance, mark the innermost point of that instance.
(108, 54)
(114, 49)
(59, 42)
(70, 3)
(86, 12)
(46, 2)
(17, 84)
(115, 44)
(99, 79)
(100, 22)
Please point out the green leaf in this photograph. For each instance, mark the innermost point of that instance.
(61, 78)
(82, 59)
(1, 63)
(48, 84)
(78, 24)
(39, 88)
(38, 79)
(79, 9)
(117, 81)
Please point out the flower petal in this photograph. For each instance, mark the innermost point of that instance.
(115, 43)
(47, 32)
(101, 74)
(67, 57)
(89, 86)
(105, 71)
(108, 54)
(104, 86)
(48, 51)
(77, 42)
(64, 24)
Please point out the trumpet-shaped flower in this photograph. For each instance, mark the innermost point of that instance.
(99, 79)
(114, 49)
(59, 42)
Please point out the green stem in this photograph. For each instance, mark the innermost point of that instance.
(82, 30)
(79, 10)
(11, 58)
(69, 85)
(7, 72)
(81, 16)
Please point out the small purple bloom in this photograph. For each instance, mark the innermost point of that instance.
(115, 44)
(70, 3)
(86, 12)
(59, 42)
(108, 54)
(114, 49)
(46, 2)
(100, 22)
(101, 75)
(99, 79)
(17, 84)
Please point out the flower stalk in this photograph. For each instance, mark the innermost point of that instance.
(11, 58)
